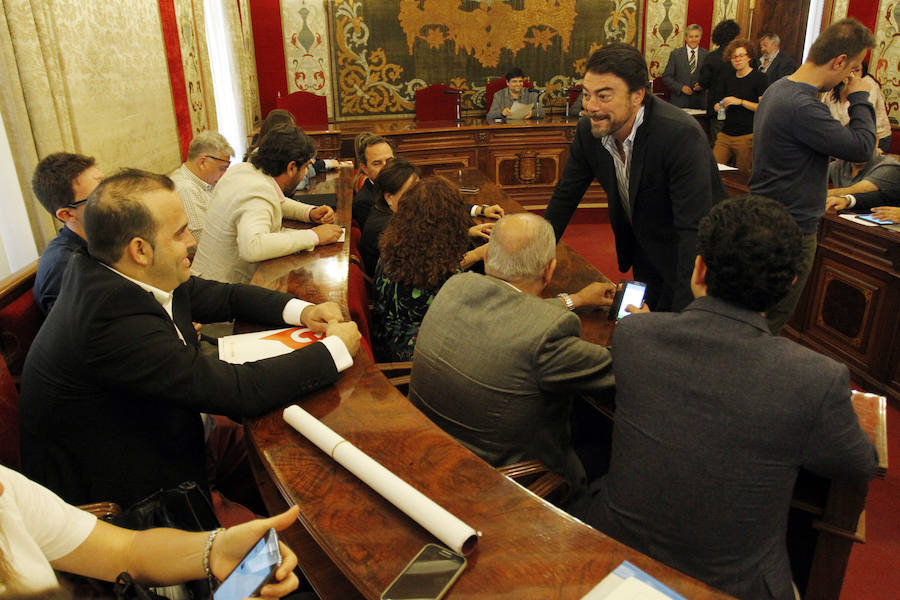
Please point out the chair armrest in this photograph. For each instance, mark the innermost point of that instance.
(102, 510)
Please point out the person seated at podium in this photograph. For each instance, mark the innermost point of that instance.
(42, 533)
(115, 382)
(392, 182)
(715, 416)
(496, 366)
(515, 91)
(244, 221)
(425, 242)
(62, 183)
(854, 182)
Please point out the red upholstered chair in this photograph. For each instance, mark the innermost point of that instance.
(572, 105)
(659, 89)
(310, 110)
(437, 102)
(491, 89)
(9, 419)
(20, 318)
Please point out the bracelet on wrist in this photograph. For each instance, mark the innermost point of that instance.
(567, 300)
(206, 552)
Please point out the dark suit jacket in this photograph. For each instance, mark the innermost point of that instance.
(674, 182)
(678, 73)
(496, 368)
(782, 66)
(111, 397)
(866, 201)
(714, 417)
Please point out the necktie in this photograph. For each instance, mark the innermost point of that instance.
(765, 63)
(693, 60)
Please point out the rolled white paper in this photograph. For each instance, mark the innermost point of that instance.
(424, 511)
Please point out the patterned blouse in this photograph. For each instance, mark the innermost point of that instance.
(397, 313)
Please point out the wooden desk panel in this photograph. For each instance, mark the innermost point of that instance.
(528, 548)
(524, 159)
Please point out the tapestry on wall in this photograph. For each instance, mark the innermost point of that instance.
(665, 32)
(385, 50)
(885, 64)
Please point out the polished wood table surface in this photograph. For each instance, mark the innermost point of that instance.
(354, 542)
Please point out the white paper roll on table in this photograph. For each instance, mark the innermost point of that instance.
(444, 526)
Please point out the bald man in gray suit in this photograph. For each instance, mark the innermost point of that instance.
(496, 365)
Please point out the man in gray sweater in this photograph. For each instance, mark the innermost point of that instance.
(794, 134)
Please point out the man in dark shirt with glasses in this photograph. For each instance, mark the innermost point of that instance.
(62, 183)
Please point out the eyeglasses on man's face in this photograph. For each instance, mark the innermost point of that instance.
(76, 204)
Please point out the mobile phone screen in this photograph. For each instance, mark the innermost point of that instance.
(875, 219)
(254, 571)
(633, 294)
(428, 576)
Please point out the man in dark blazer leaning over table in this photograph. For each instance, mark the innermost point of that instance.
(114, 384)
(715, 415)
(673, 178)
(496, 365)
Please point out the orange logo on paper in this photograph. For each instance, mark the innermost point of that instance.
(295, 338)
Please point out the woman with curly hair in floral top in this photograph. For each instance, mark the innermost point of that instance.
(426, 242)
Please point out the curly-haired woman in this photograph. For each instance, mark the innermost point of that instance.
(426, 241)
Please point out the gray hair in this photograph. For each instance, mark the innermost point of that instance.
(520, 248)
(692, 27)
(208, 142)
(772, 37)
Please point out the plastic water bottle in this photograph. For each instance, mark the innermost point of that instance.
(720, 115)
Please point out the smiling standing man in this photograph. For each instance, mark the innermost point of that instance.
(654, 163)
(794, 134)
(682, 72)
(114, 383)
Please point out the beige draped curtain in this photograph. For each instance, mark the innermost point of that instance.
(33, 99)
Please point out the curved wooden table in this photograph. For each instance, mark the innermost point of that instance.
(355, 542)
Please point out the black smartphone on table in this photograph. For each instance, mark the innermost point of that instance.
(428, 576)
(255, 570)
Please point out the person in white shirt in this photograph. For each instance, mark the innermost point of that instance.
(243, 225)
(209, 156)
(39, 532)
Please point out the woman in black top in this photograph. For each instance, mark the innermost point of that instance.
(737, 96)
(392, 182)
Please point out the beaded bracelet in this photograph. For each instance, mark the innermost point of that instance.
(206, 552)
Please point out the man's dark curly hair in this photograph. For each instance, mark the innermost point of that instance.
(625, 62)
(426, 238)
(283, 144)
(725, 31)
(751, 246)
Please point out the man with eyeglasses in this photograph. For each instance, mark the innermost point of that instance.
(654, 162)
(62, 183)
(209, 156)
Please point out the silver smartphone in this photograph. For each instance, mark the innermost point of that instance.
(428, 576)
(632, 293)
(255, 570)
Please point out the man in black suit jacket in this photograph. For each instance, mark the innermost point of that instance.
(114, 384)
(685, 90)
(715, 415)
(773, 62)
(673, 180)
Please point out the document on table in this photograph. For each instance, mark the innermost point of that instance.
(627, 582)
(726, 167)
(519, 110)
(248, 347)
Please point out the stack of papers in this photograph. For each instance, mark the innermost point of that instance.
(628, 582)
(248, 347)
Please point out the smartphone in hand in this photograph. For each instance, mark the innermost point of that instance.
(632, 293)
(254, 571)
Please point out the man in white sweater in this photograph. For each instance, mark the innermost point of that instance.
(243, 225)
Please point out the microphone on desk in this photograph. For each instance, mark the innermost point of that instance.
(458, 94)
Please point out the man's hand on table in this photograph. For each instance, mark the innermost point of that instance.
(322, 214)
(887, 213)
(836, 203)
(594, 295)
(348, 333)
(482, 231)
(494, 211)
(317, 317)
(328, 234)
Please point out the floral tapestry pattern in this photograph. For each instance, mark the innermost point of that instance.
(385, 51)
(664, 33)
(885, 65)
(306, 52)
